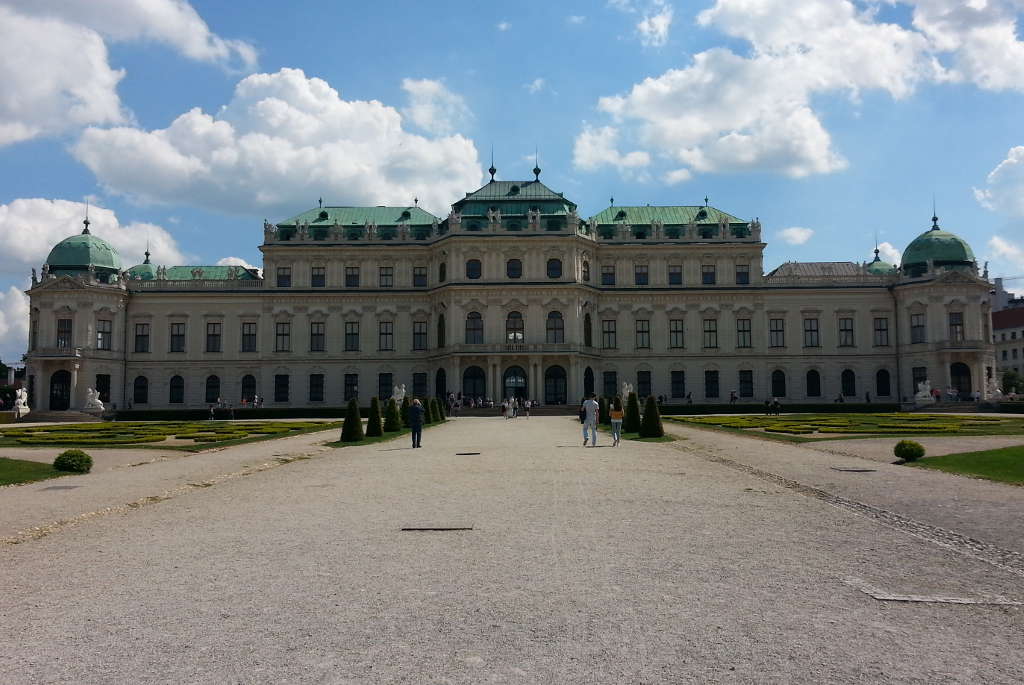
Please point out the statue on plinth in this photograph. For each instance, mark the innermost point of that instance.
(627, 388)
(398, 393)
(924, 393)
(21, 403)
(92, 401)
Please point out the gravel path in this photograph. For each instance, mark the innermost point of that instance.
(880, 449)
(647, 563)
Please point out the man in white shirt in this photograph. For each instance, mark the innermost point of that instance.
(591, 408)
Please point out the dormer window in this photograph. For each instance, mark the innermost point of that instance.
(322, 215)
(621, 215)
(405, 214)
(514, 190)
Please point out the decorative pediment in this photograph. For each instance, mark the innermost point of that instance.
(953, 276)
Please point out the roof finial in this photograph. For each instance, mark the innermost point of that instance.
(536, 164)
(416, 202)
(85, 222)
(321, 203)
(935, 217)
(492, 170)
(705, 200)
(611, 201)
(146, 260)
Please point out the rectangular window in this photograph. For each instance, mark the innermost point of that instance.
(607, 274)
(742, 274)
(384, 386)
(386, 277)
(1014, 355)
(710, 333)
(317, 336)
(351, 276)
(351, 386)
(316, 387)
(919, 374)
(845, 332)
(640, 274)
(643, 334)
(881, 331)
(318, 277)
(675, 334)
(283, 336)
(386, 336)
(103, 386)
(419, 336)
(711, 384)
(249, 336)
(678, 384)
(419, 384)
(956, 326)
(176, 341)
(776, 332)
(811, 337)
(284, 277)
(63, 334)
(142, 337)
(611, 381)
(104, 334)
(608, 341)
(643, 384)
(707, 274)
(1004, 355)
(746, 383)
(743, 337)
(917, 333)
(281, 381)
(213, 337)
(419, 277)
(675, 274)
(351, 336)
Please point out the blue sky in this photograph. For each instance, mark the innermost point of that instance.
(186, 124)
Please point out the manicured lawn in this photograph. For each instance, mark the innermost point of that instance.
(369, 441)
(189, 436)
(1005, 465)
(807, 427)
(636, 436)
(20, 471)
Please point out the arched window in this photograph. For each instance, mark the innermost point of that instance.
(514, 268)
(849, 383)
(442, 272)
(474, 383)
(778, 383)
(882, 386)
(555, 328)
(554, 268)
(474, 329)
(441, 338)
(813, 383)
(588, 336)
(515, 330)
(177, 393)
(555, 386)
(140, 395)
(473, 269)
(248, 388)
(588, 381)
(212, 389)
(586, 271)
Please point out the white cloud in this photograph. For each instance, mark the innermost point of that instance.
(677, 176)
(433, 107)
(504, 26)
(796, 235)
(575, 19)
(235, 261)
(13, 323)
(279, 136)
(1009, 255)
(889, 253)
(654, 26)
(535, 86)
(1005, 185)
(598, 147)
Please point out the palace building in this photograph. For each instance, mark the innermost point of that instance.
(513, 293)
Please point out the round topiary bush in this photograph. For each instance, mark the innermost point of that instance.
(908, 450)
(75, 461)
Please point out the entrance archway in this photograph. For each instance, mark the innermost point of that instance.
(60, 390)
(960, 378)
(441, 384)
(474, 383)
(555, 390)
(514, 383)
(588, 381)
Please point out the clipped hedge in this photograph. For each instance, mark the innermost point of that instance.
(908, 450)
(374, 429)
(73, 461)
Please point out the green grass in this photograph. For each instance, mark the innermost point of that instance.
(636, 436)
(13, 471)
(369, 441)
(1005, 465)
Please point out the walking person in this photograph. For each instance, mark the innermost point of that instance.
(590, 411)
(416, 422)
(616, 414)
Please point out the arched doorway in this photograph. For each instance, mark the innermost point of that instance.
(514, 383)
(813, 383)
(848, 381)
(441, 384)
(960, 378)
(60, 390)
(778, 383)
(474, 382)
(882, 384)
(555, 389)
(248, 388)
(588, 381)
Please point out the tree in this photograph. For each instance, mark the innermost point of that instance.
(392, 417)
(604, 418)
(1012, 381)
(352, 429)
(405, 411)
(373, 427)
(631, 420)
(651, 426)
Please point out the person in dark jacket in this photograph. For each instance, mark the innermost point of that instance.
(416, 422)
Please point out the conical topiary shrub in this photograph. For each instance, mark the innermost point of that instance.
(373, 423)
(352, 429)
(602, 412)
(428, 412)
(435, 410)
(442, 409)
(650, 426)
(392, 418)
(405, 411)
(631, 419)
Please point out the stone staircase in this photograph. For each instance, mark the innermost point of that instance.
(547, 410)
(69, 416)
(952, 408)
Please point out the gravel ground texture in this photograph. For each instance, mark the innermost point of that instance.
(880, 449)
(646, 563)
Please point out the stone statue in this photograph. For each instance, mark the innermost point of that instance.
(924, 393)
(92, 272)
(92, 400)
(627, 388)
(533, 219)
(269, 231)
(303, 231)
(992, 390)
(34, 279)
(455, 218)
(398, 393)
(21, 403)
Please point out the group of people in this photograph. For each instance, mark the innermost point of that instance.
(590, 412)
(514, 407)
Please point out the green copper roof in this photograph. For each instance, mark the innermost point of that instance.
(942, 247)
(145, 271)
(674, 215)
(82, 251)
(505, 191)
(359, 216)
(878, 267)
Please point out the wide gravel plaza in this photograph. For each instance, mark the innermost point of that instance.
(716, 558)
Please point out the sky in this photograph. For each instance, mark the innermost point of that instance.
(838, 123)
